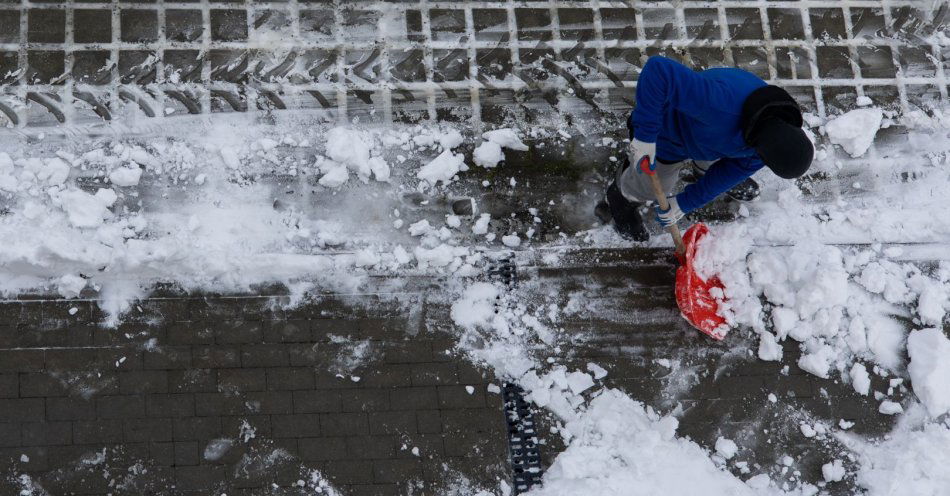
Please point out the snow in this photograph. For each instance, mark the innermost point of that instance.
(726, 448)
(833, 471)
(929, 369)
(854, 131)
(217, 448)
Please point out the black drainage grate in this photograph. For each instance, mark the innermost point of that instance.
(523, 450)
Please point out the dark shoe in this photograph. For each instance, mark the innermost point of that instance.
(745, 191)
(625, 214)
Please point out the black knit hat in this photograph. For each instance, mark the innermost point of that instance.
(772, 124)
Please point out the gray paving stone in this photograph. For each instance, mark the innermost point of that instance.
(322, 448)
(70, 409)
(297, 425)
(317, 401)
(22, 410)
(350, 471)
(365, 400)
(119, 407)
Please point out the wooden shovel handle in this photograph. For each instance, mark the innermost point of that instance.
(665, 205)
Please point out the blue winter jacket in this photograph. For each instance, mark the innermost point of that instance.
(696, 115)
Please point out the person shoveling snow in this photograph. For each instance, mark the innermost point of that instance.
(726, 123)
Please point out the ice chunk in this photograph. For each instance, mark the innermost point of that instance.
(889, 407)
(833, 471)
(481, 225)
(488, 154)
(70, 285)
(443, 168)
(726, 448)
(854, 131)
(334, 176)
(579, 382)
(929, 368)
(506, 138)
(860, 379)
(349, 147)
(511, 240)
(598, 371)
(769, 348)
(83, 209)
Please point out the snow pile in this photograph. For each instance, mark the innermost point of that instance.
(854, 131)
(615, 445)
(913, 460)
(839, 303)
(618, 447)
(489, 153)
(929, 369)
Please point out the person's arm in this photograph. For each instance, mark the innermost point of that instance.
(721, 177)
(663, 84)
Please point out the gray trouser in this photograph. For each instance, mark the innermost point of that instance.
(635, 185)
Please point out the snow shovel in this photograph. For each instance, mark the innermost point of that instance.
(694, 295)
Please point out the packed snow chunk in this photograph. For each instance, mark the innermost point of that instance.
(451, 139)
(929, 368)
(769, 348)
(855, 130)
(578, 382)
(890, 408)
(598, 371)
(230, 158)
(56, 172)
(216, 449)
(488, 155)
(506, 138)
(726, 448)
(453, 221)
(807, 430)
(860, 379)
(349, 147)
(481, 225)
(366, 258)
(70, 285)
(125, 176)
(380, 169)
(833, 471)
(107, 196)
(911, 461)
(83, 209)
(420, 228)
(620, 448)
(440, 256)
(443, 168)
(511, 240)
(818, 362)
(334, 175)
(476, 307)
(759, 482)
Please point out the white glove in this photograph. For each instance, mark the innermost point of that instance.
(638, 151)
(670, 216)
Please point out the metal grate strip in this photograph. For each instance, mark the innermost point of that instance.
(358, 61)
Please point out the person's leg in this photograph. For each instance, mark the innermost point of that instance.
(628, 192)
(747, 190)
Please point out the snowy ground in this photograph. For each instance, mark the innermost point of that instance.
(849, 262)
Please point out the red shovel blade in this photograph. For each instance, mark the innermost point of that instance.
(694, 295)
